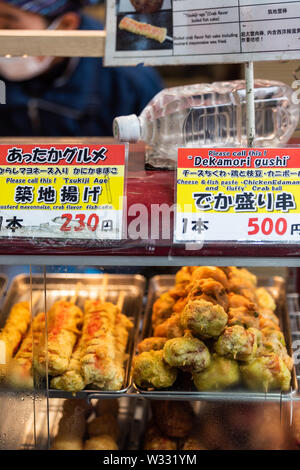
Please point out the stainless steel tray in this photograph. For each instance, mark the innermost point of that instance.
(184, 389)
(54, 286)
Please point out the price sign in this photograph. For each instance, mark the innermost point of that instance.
(238, 195)
(62, 191)
(160, 32)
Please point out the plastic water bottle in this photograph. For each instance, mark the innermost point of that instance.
(209, 115)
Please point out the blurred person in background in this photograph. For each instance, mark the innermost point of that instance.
(47, 96)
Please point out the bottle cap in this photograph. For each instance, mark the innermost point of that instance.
(127, 128)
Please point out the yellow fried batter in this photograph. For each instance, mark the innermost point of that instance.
(247, 317)
(187, 353)
(64, 320)
(170, 328)
(265, 299)
(204, 319)
(151, 344)
(20, 367)
(98, 363)
(122, 327)
(14, 330)
(72, 380)
(150, 370)
(222, 373)
(266, 373)
(162, 309)
(212, 272)
(209, 290)
(237, 343)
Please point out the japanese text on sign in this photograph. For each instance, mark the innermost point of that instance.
(62, 191)
(238, 195)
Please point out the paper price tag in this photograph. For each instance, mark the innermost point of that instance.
(62, 191)
(238, 195)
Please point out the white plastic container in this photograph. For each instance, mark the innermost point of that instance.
(209, 115)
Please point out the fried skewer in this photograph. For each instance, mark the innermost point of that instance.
(64, 320)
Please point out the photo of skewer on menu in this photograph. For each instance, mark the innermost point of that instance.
(144, 25)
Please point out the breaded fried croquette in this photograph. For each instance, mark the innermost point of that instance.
(155, 440)
(72, 380)
(122, 327)
(151, 344)
(14, 330)
(20, 367)
(237, 301)
(204, 319)
(162, 309)
(174, 419)
(242, 273)
(209, 290)
(266, 373)
(212, 272)
(98, 361)
(237, 343)
(246, 317)
(184, 275)
(150, 370)
(102, 442)
(187, 353)
(221, 373)
(268, 314)
(273, 342)
(64, 320)
(180, 304)
(170, 328)
(265, 299)
(104, 424)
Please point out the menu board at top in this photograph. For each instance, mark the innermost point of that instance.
(156, 32)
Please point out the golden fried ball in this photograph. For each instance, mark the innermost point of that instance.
(204, 319)
(150, 370)
(266, 373)
(187, 353)
(151, 344)
(237, 343)
(222, 373)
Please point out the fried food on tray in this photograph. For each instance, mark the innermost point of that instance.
(155, 440)
(151, 344)
(221, 373)
(204, 319)
(122, 327)
(162, 309)
(237, 301)
(184, 275)
(14, 330)
(174, 419)
(265, 299)
(105, 424)
(71, 426)
(180, 304)
(268, 314)
(248, 317)
(209, 290)
(212, 272)
(187, 353)
(98, 363)
(72, 380)
(266, 373)
(150, 370)
(237, 343)
(273, 341)
(170, 328)
(20, 367)
(64, 320)
(143, 29)
(102, 442)
(243, 274)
